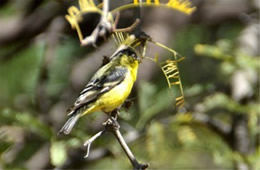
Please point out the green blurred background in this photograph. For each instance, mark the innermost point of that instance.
(43, 69)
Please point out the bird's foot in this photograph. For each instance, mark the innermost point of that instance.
(111, 124)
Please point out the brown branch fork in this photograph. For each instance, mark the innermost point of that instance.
(112, 125)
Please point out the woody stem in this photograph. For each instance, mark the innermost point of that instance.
(114, 128)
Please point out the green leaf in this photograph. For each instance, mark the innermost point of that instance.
(220, 100)
(156, 137)
(27, 121)
(186, 136)
(151, 105)
(4, 146)
(18, 76)
(58, 153)
(60, 67)
(212, 51)
(254, 158)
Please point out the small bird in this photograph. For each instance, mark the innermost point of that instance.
(108, 88)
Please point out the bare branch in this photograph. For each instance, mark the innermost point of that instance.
(104, 26)
(92, 139)
(111, 125)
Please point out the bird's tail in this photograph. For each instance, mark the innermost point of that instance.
(66, 129)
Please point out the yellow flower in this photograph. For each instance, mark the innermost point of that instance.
(75, 14)
(180, 5)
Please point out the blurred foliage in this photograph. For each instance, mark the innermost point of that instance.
(156, 133)
(60, 67)
(24, 65)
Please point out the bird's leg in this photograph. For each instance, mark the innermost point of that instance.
(128, 104)
(115, 113)
(105, 60)
(112, 125)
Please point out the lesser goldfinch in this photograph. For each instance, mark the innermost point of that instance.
(108, 88)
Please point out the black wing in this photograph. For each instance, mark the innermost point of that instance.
(98, 86)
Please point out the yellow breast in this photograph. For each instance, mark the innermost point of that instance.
(112, 99)
(116, 96)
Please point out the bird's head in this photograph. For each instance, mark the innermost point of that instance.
(126, 55)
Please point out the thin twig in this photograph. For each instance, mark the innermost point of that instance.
(101, 29)
(92, 139)
(113, 126)
(106, 26)
(130, 28)
(131, 157)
